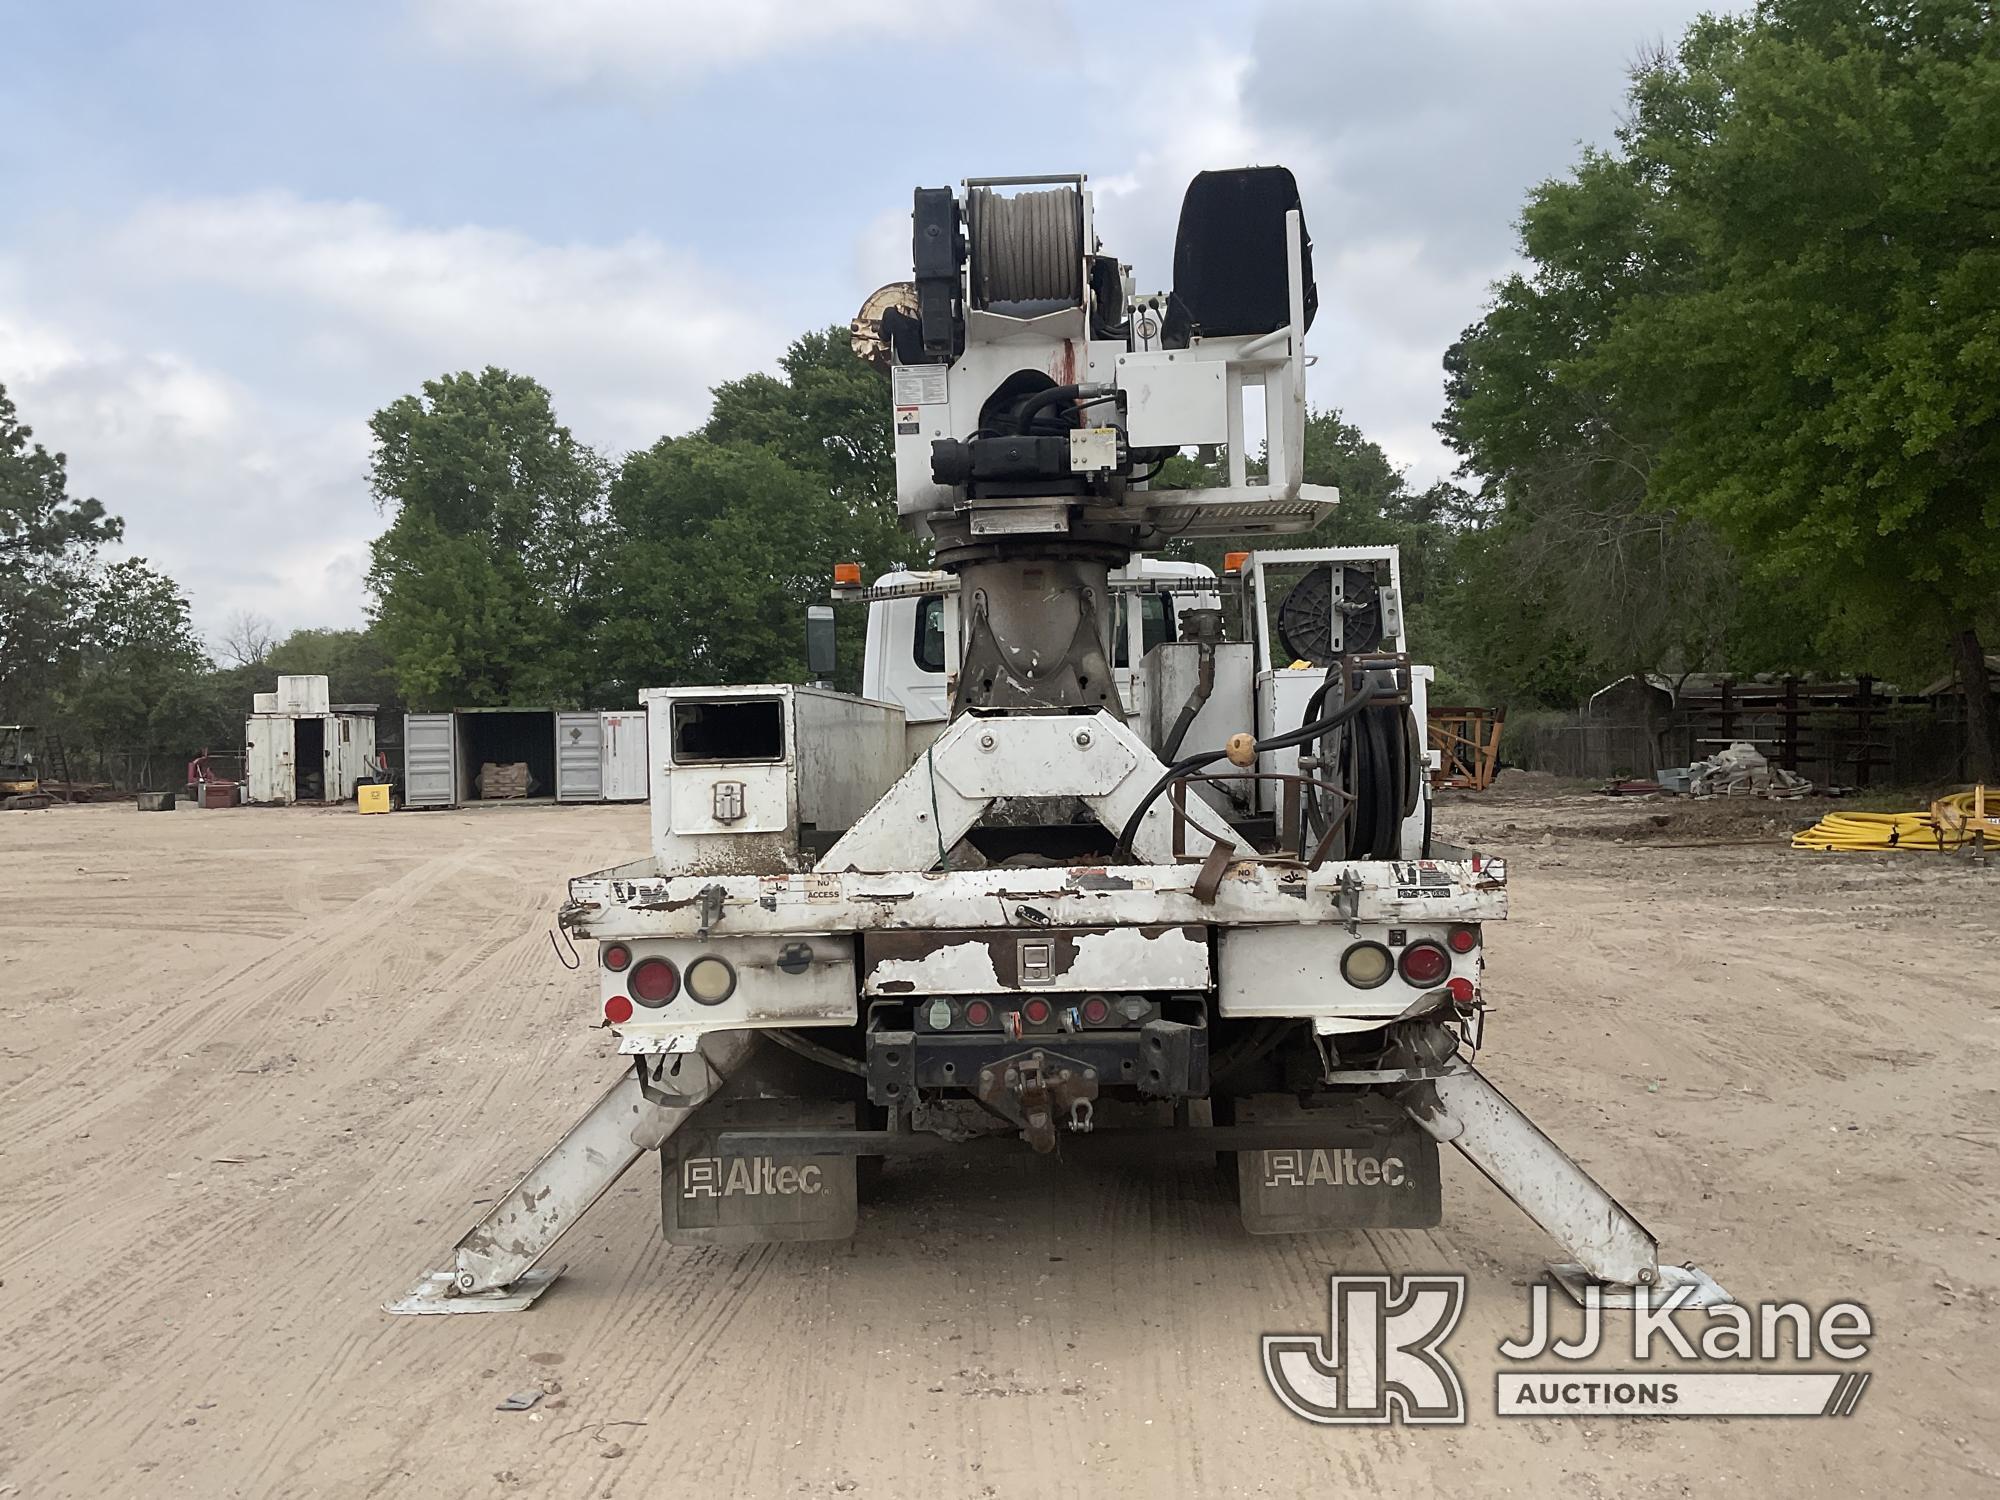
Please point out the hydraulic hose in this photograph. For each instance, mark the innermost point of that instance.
(1180, 768)
(1204, 684)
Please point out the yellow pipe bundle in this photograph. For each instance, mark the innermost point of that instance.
(1950, 824)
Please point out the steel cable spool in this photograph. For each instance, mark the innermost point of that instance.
(1028, 247)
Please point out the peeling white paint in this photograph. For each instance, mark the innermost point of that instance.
(954, 969)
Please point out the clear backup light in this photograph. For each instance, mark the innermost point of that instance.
(709, 980)
(1366, 965)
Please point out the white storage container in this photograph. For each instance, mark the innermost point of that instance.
(303, 695)
(627, 774)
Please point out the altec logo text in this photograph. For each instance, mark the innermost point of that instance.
(1338, 1168)
(746, 1177)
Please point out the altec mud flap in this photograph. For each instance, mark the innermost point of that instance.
(709, 1197)
(1379, 1171)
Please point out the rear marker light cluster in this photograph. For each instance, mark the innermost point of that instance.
(1424, 964)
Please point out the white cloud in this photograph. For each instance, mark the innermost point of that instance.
(250, 487)
(630, 336)
(571, 42)
(244, 507)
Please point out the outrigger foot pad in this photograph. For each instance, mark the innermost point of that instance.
(1694, 1286)
(438, 1293)
(493, 1267)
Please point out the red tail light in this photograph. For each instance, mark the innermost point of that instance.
(1463, 939)
(1035, 1012)
(618, 1010)
(653, 982)
(1463, 990)
(617, 957)
(1096, 1010)
(1425, 965)
(977, 1013)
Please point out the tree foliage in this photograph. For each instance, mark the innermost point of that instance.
(717, 542)
(480, 577)
(142, 677)
(1744, 406)
(48, 545)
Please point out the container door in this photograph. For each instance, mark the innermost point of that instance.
(579, 757)
(430, 760)
(625, 766)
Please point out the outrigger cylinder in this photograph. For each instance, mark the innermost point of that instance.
(1617, 1259)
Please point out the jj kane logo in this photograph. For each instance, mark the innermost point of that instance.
(1382, 1358)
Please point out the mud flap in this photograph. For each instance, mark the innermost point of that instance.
(1369, 1167)
(708, 1198)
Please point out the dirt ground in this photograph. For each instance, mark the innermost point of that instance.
(258, 1069)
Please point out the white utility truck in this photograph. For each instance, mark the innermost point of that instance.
(1110, 855)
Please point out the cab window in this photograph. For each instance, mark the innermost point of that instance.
(1156, 624)
(929, 646)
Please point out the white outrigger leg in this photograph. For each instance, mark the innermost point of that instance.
(493, 1268)
(1617, 1259)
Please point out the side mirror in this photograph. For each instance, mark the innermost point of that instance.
(819, 642)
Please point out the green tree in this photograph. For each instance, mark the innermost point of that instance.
(48, 540)
(1830, 372)
(1769, 322)
(713, 553)
(143, 680)
(480, 580)
(827, 416)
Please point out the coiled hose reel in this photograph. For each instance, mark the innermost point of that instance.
(1027, 247)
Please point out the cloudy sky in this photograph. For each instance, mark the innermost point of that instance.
(231, 231)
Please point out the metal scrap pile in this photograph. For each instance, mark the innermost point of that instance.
(1741, 771)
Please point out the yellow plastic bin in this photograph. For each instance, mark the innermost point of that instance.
(373, 798)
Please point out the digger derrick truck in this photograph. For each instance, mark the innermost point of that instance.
(1115, 855)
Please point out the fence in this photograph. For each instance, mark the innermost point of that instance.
(110, 769)
(1835, 734)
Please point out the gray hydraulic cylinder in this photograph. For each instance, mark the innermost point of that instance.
(1464, 1110)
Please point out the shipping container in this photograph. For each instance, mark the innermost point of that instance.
(430, 760)
(580, 757)
(626, 773)
(444, 752)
